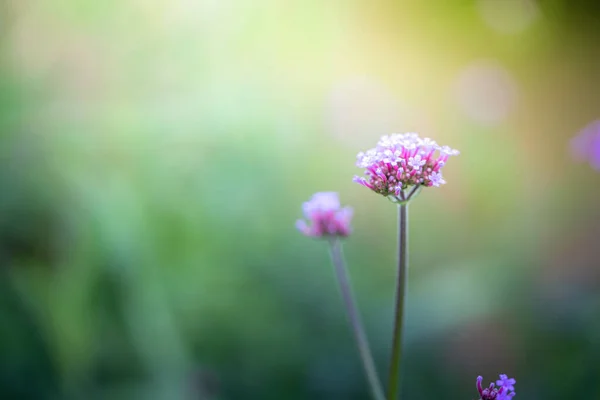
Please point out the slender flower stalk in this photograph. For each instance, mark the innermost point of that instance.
(399, 315)
(398, 168)
(395, 372)
(327, 220)
(360, 336)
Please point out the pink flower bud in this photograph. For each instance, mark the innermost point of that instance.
(325, 216)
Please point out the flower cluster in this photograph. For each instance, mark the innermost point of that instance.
(325, 216)
(400, 161)
(504, 391)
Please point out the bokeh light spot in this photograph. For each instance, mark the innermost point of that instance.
(360, 106)
(508, 16)
(486, 92)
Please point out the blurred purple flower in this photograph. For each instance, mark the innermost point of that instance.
(506, 382)
(325, 216)
(400, 161)
(586, 145)
(504, 391)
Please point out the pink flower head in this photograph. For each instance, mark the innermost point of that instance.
(325, 216)
(401, 161)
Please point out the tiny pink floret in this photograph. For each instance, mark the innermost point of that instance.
(325, 216)
(400, 161)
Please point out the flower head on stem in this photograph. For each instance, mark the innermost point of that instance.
(328, 220)
(398, 168)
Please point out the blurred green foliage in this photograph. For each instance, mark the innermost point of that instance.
(155, 156)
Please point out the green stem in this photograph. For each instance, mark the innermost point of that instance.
(401, 289)
(355, 320)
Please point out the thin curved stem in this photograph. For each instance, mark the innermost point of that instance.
(401, 290)
(355, 320)
(413, 192)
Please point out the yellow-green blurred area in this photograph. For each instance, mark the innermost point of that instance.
(155, 154)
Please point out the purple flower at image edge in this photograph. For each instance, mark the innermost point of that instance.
(325, 216)
(586, 145)
(504, 391)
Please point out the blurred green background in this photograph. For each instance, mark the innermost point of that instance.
(155, 154)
